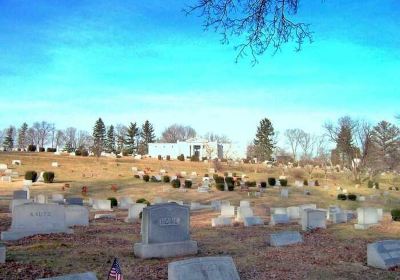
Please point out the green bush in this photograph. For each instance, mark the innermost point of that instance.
(352, 197)
(146, 178)
(51, 150)
(168, 157)
(143, 200)
(305, 183)
(78, 152)
(370, 184)
(188, 184)
(166, 179)
(41, 149)
(263, 185)
(219, 183)
(48, 177)
(396, 188)
(85, 153)
(271, 181)
(231, 183)
(377, 185)
(395, 214)
(206, 175)
(194, 158)
(225, 174)
(159, 157)
(154, 179)
(114, 201)
(283, 182)
(176, 183)
(136, 176)
(181, 157)
(215, 177)
(31, 175)
(390, 189)
(342, 196)
(234, 174)
(316, 183)
(32, 148)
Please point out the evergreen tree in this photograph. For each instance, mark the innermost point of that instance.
(99, 137)
(8, 143)
(110, 141)
(68, 147)
(147, 136)
(22, 136)
(131, 136)
(264, 142)
(344, 145)
(386, 145)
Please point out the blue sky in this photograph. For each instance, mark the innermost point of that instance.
(70, 62)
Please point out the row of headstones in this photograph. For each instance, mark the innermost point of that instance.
(8, 174)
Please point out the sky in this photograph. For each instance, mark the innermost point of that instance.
(71, 62)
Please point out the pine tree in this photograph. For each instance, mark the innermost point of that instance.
(99, 137)
(264, 142)
(68, 147)
(147, 136)
(345, 146)
(110, 141)
(8, 143)
(22, 136)
(386, 145)
(131, 136)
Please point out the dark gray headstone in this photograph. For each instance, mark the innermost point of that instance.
(207, 268)
(74, 201)
(20, 195)
(285, 238)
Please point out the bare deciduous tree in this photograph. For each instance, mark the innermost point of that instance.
(260, 24)
(177, 132)
(294, 137)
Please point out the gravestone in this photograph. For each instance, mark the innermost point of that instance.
(20, 195)
(77, 276)
(293, 212)
(252, 221)
(384, 254)
(105, 216)
(165, 232)
(32, 219)
(380, 214)
(27, 183)
(2, 253)
(332, 210)
(57, 198)
(74, 201)
(340, 217)
(279, 219)
(17, 202)
(284, 192)
(312, 218)
(158, 200)
(206, 268)
(216, 205)
(16, 162)
(3, 167)
(244, 203)
(227, 211)
(40, 198)
(285, 238)
(367, 217)
(125, 202)
(76, 215)
(54, 164)
(279, 210)
(6, 179)
(221, 221)
(40, 177)
(102, 204)
(242, 212)
(134, 212)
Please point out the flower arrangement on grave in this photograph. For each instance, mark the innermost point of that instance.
(84, 190)
(114, 188)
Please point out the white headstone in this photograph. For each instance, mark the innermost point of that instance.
(293, 212)
(134, 212)
(285, 238)
(57, 198)
(76, 215)
(125, 202)
(227, 211)
(277, 219)
(102, 204)
(54, 164)
(252, 221)
(311, 219)
(41, 199)
(367, 217)
(279, 210)
(221, 221)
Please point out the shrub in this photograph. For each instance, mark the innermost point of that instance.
(219, 183)
(390, 188)
(181, 157)
(85, 153)
(352, 197)
(48, 177)
(370, 184)
(78, 152)
(204, 158)
(250, 184)
(263, 185)
(51, 150)
(166, 179)
(31, 175)
(176, 183)
(137, 176)
(206, 175)
(305, 182)
(32, 148)
(225, 174)
(146, 178)
(316, 183)
(377, 185)
(194, 158)
(395, 214)
(188, 184)
(283, 182)
(341, 196)
(159, 157)
(231, 184)
(143, 200)
(234, 174)
(154, 179)
(396, 188)
(215, 176)
(41, 149)
(114, 201)
(271, 181)
(168, 157)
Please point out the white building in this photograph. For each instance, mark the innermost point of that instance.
(191, 147)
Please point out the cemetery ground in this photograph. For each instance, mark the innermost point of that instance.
(338, 252)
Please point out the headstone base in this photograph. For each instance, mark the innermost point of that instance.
(165, 250)
(2, 254)
(16, 235)
(80, 276)
(364, 226)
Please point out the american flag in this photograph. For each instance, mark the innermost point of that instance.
(115, 272)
